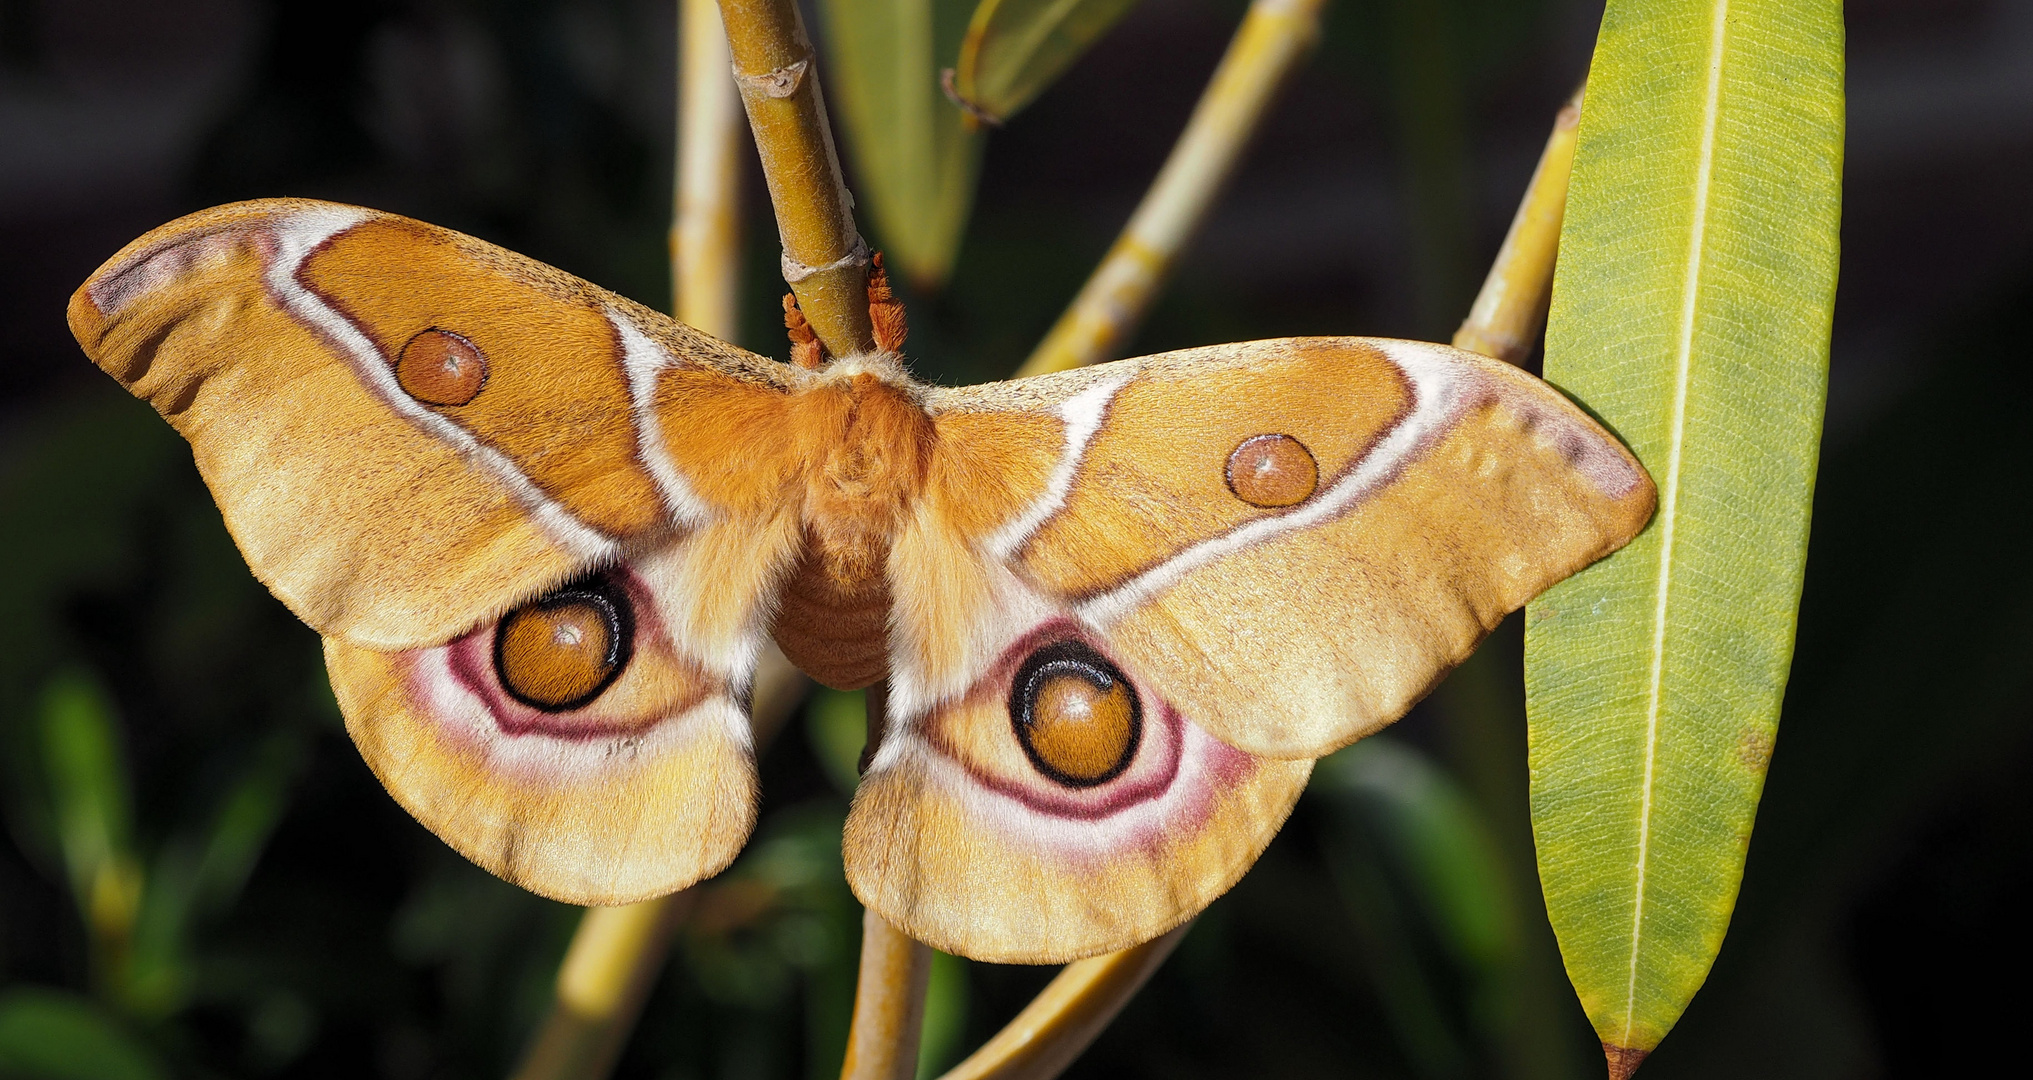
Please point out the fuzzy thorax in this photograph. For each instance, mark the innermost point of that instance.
(870, 443)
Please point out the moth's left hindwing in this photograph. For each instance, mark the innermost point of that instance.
(458, 465)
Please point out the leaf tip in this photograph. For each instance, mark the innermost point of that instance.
(1623, 1060)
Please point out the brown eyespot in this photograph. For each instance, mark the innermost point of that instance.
(1076, 716)
(439, 367)
(560, 651)
(1272, 470)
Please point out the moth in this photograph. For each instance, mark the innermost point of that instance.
(545, 533)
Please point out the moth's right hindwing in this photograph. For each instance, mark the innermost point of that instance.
(1061, 807)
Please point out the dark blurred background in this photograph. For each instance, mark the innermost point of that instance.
(199, 877)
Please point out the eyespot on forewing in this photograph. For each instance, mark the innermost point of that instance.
(1272, 471)
(438, 367)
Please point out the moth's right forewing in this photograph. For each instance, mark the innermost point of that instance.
(1441, 491)
(271, 334)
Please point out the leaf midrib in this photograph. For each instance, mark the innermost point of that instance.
(1670, 496)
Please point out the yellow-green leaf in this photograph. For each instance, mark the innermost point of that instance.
(1015, 48)
(93, 802)
(914, 155)
(1691, 313)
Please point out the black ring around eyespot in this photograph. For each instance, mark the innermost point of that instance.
(604, 595)
(1078, 659)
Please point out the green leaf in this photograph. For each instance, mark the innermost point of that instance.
(837, 723)
(1691, 313)
(1014, 49)
(93, 806)
(53, 1035)
(916, 159)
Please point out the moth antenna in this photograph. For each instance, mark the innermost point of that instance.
(806, 352)
(885, 311)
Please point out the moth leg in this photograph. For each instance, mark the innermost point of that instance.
(885, 311)
(806, 352)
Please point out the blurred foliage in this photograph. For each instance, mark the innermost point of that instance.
(915, 161)
(1413, 860)
(268, 911)
(1014, 49)
(54, 1034)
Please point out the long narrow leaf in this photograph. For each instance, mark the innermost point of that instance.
(914, 156)
(1691, 312)
(94, 802)
(1014, 49)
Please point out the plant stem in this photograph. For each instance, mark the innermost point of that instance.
(824, 258)
(706, 210)
(617, 952)
(826, 263)
(1067, 1015)
(1274, 36)
(889, 1004)
(1510, 310)
(889, 988)
(613, 959)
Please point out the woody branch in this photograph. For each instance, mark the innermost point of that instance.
(1510, 310)
(1275, 35)
(824, 258)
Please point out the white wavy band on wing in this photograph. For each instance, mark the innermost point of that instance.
(644, 359)
(1082, 414)
(299, 234)
(1437, 383)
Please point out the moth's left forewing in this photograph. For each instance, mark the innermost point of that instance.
(275, 336)
(1450, 489)
(361, 521)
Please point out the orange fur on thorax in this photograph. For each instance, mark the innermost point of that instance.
(866, 446)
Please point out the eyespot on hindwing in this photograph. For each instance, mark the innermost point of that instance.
(1075, 714)
(561, 650)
